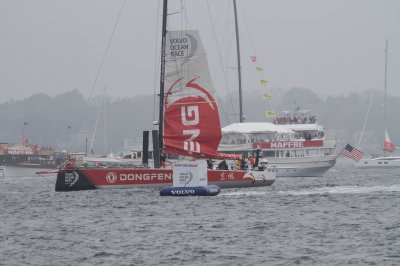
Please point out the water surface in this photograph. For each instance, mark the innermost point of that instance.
(349, 216)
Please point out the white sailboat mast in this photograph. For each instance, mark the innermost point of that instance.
(384, 96)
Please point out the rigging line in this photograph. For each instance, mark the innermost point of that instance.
(221, 106)
(95, 126)
(215, 73)
(210, 35)
(48, 181)
(219, 51)
(230, 43)
(186, 15)
(366, 118)
(230, 39)
(377, 75)
(253, 45)
(101, 64)
(183, 26)
(105, 122)
(247, 28)
(156, 73)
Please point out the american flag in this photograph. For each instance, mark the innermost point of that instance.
(353, 153)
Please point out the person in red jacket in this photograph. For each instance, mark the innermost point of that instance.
(251, 161)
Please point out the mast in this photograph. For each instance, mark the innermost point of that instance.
(384, 95)
(241, 118)
(162, 74)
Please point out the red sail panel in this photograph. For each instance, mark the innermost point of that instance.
(387, 144)
(192, 126)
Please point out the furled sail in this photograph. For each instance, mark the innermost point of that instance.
(191, 117)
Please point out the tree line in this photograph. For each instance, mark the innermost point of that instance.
(54, 121)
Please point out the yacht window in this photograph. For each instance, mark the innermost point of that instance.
(298, 153)
(312, 152)
(268, 153)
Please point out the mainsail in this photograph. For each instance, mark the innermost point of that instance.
(191, 117)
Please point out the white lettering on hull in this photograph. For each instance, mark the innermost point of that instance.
(146, 177)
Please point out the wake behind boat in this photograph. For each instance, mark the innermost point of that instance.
(189, 126)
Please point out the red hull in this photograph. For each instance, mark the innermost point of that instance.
(83, 179)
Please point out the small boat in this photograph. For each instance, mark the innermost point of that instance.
(26, 160)
(385, 161)
(27, 170)
(293, 149)
(380, 162)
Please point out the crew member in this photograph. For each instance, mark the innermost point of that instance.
(251, 161)
(162, 160)
(238, 164)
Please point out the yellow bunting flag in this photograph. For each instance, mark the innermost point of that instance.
(263, 82)
(270, 114)
(259, 69)
(267, 96)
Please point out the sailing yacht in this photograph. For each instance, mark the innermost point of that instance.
(382, 162)
(188, 126)
(386, 161)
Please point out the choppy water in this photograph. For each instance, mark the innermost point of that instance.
(347, 217)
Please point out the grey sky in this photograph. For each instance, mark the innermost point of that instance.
(330, 47)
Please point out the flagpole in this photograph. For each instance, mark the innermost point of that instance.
(339, 153)
(351, 152)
